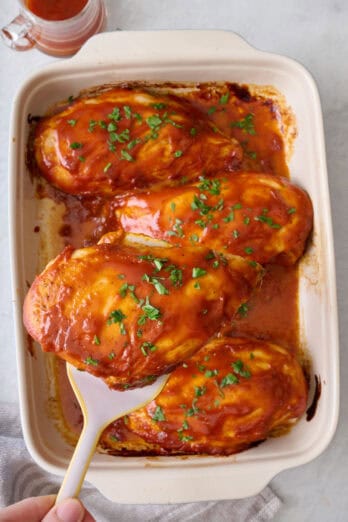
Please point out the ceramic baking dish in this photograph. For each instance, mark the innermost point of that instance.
(181, 56)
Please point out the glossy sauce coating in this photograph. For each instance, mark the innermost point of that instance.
(127, 139)
(257, 216)
(129, 313)
(230, 395)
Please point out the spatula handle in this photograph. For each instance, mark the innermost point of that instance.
(79, 463)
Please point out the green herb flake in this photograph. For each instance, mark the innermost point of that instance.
(248, 250)
(76, 145)
(268, 220)
(115, 114)
(246, 124)
(102, 124)
(246, 220)
(193, 131)
(235, 234)
(159, 106)
(243, 310)
(72, 123)
(178, 153)
(107, 166)
(158, 415)
(224, 98)
(194, 238)
(212, 109)
(230, 378)
(239, 369)
(211, 373)
(111, 355)
(82, 159)
(147, 347)
(126, 156)
(149, 312)
(200, 391)
(154, 121)
(197, 285)
(116, 316)
(198, 272)
(127, 111)
(91, 362)
(292, 210)
(96, 340)
(112, 127)
(133, 143)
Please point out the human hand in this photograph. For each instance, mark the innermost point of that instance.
(42, 509)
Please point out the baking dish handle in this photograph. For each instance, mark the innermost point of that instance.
(162, 46)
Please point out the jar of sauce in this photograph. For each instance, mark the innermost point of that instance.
(56, 27)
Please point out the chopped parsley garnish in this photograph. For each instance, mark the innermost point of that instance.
(292, 210)
(111, 355)
(116, 316)
(194, 238)
(211, 373)
(92, 124)
(190, 412)
(198, 272)
(160, 288)
(159, 262)
(82, 158)
(72, 122)
(197, 285)
(253, 264)
(101, 123)
(212, 109)
(127, 288)
(107, 166)
(243, 310)
(246, 220)
(246, 124)
(150, 312)
(112, 127)
(239, 369)
(224, 98)
(200, 390)
(175, 275)
(154, 121)
(127, 112)
(120, 137)
(230, 378)
(211, 185)
(90, 361)
(158, 414)
(193, 131)
(248, 250)
(178, 153)
(146, 347)
(96, 340)
(133, 143)
(126, 156)
(76, 145)
(158, 106)
(268, 220)
(115, 114)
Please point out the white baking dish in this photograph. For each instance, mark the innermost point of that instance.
(182, 56)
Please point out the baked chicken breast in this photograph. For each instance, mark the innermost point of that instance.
(232, 394)
(258, 216)
(127, 138)
(128, 313)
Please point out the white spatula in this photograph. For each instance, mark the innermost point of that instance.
(100, 406)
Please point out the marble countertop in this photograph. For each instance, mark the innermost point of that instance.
(314, 32)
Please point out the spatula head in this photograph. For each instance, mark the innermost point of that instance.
(101, 404)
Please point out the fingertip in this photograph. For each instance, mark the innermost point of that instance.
(70, 510)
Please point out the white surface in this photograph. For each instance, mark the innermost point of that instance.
(183, 55)
(313, 32)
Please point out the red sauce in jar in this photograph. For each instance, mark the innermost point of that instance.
(54, 10)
